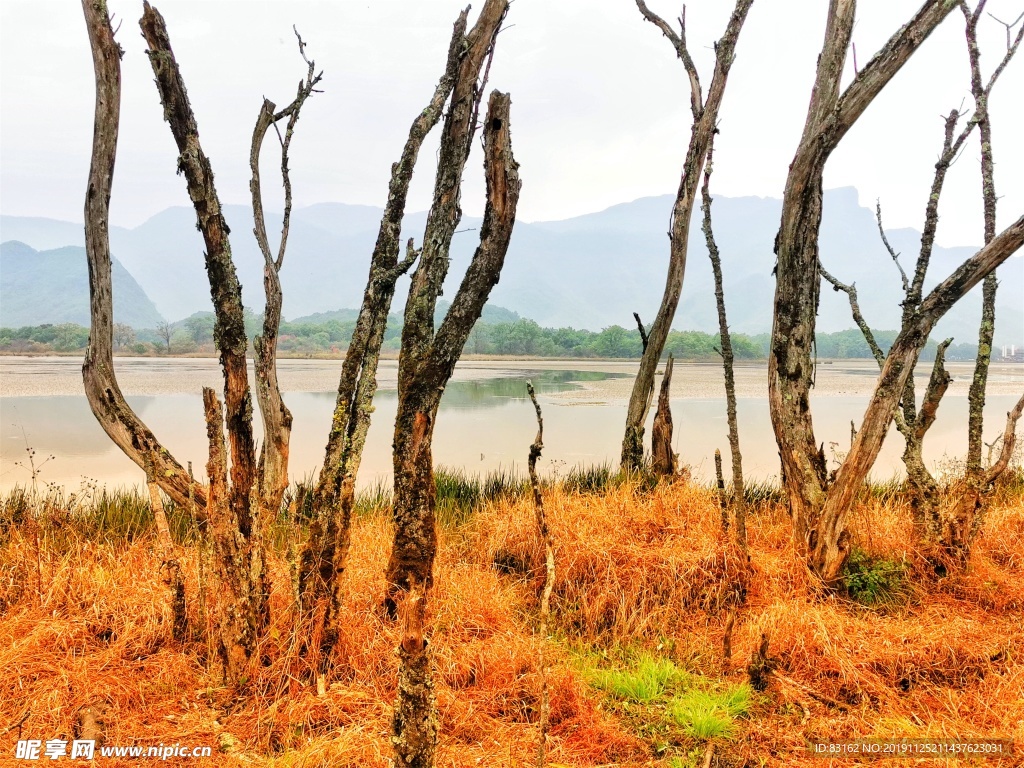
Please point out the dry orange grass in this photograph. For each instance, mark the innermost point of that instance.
(83, 622)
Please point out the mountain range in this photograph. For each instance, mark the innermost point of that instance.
(52, 286)
(589, 271)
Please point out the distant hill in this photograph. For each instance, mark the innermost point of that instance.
(52, 286)
(590, 271)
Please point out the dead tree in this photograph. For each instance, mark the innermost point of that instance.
(912, 423)
(426, 365)
(277, 419)
(234, 515)
(739, 501)
(663, 458)
(544, 533)
(819, 506)
(705, 114)
(323, 557)
(959, 528)
(108, 405)
(428, 358)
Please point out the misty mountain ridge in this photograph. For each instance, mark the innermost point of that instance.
(52, 286)
(589, 271)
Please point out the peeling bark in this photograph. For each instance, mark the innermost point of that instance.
(234, 512)
(240, 600)
(705, 115)
(414, 722)
(422, 377)
(117, 419)
(427, 359)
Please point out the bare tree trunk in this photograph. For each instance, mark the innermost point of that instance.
(414, 722)
(428, 359)
(544, 532)
(663, 458)
(738, 496)
(705, 115)
(829, 536)
(818, 531)
(966, 518)
(229, 326)
(238, 560)
(277, 419)
(420, 388)
(118, 420)
(924, 498)
(323, 557)
(236, 523)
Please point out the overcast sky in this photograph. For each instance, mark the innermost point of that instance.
(599, 104)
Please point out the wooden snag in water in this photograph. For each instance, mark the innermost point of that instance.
(663, 458)
(544, 533)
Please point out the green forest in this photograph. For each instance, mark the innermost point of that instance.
(518, 337)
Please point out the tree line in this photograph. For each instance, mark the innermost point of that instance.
(522, 337)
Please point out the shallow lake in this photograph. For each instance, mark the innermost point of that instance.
(486, 421)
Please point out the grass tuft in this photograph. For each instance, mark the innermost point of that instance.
(646, 681)
(707, 715)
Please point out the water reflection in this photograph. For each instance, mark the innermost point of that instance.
(485, 424)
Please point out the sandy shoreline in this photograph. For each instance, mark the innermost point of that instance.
(61, 376)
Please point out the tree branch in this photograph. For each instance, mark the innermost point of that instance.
(885, 241)
(679, 43)
(1009, 439)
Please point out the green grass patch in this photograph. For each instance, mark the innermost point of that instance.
(647, 680)
(710, 714)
